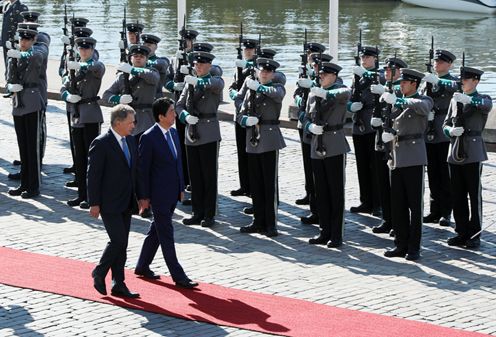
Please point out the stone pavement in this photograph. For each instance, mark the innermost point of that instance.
(449, 286)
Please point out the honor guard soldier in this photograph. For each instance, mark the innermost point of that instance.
(440, 86)
(268, 53)
(136, 85)
(134, 31)
(392, 74)
(197, 108)
(464, 125)
(406, 138)
(324, 119)
(259, 114)
(245, 64)
(207, 47)
(161, 64)
(11, 11)
(81, 94)
(24, 70)
(361, 106)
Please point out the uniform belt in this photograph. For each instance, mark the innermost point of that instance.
(269, 122)
(208, 115)
(30, 85)
(415, 136)
(89, 100)
(472, 133)
(141, 106)
(337, 127)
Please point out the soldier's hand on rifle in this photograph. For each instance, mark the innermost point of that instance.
(376, 122)
(319, 92)
(358, 70)
(65, 39)
(125, 67)
(14, 53)
(377, 89)
(179, 86)
(193, 80)
(252, 84)
(431, 78)
(121, 44)
(387, 137)
(179, 54)
(240, 63)
(457, 131)
(388, 97)
(73, 65)
(316, 129)
(73, 98)
(305, 83)
(431, 115)
(9, 45)
(184, 69)
(356, 106)
(251, 120)
(191, 120)
(462, 98)
(14, 87)
(125, 99)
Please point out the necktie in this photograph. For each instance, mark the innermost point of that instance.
(125, 149)
(171, 145)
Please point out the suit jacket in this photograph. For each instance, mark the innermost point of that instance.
(160, 173)
(112, 183)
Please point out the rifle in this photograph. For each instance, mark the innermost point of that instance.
(63, 64)
(320, 150)
(304, 74)
(357, 89)
(138, 33)
(192, 133)
(377, 104)
(124, 56)
(255, 134)
(431, 131)
(388, 121)
(458, 151)
(72, 72)
(178, 76)
(14, 77)
(239, 76)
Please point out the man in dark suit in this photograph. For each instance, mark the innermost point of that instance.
(160, 172)
(112, 186)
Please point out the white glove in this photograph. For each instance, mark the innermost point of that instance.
(462, 98)
(8, 45)
(14, 87)
(356, 106)
(191, 120)
(431, 78)
(300, 70)
(305, 83)
(179, 54)
(319, 92)
(388, 97)
(125, 99)
(65, 39)
(121, 44)
(377, 89)
(375, 122)
(430, 116)
(240, 63)
(316, 129)
(193, 80)
(14, 53)
(457, 131)
(359, 70)
(184, 69)
(125, 67)
(251, 120)
(73, 98)
(387, 137)
(73, 65)
(252, 84)
(179, 86)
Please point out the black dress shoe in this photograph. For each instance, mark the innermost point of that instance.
(30, 194)
(250, 229)
(431, 218)
(75, 202)
(122, 291)
(238, 192)
(148, 274)
(194, 220)
(147, 213)
(362, 208)
(84, 205)
(16, 162)
(413, 256)
(187, 202)
(312, 219)
(208, 222)
(69, 169)
(303, 201)
(99, 283)
(187, 283)
(473, 243)
(395, 253)
(71, 183)
(15, 192)
(14, 176)
(248, 210)
(457, 241)
(444, 222)
(382, 229)
(335, 243)
(318, 240)
(271, 232)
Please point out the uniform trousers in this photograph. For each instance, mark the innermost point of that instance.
(43, 134)
(244, 180)
(384, 186)
(82, 137)
(27, 131)
(309, 178)
(439, 180)
(263, 173)
(364, 154)
(407, 188)
(71, 140)
(329, 175)
(465, 180)
(202, 162)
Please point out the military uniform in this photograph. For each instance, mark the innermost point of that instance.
(11, 17)
(23, 80)
(407, 166)
(328, 154)
(86, 114)
(465, 171)
(259, 113)
(197, 108)
(161, 64)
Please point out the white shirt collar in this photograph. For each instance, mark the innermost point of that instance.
(164, 131)
(117, 136)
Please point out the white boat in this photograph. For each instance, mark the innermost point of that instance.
(475, 6)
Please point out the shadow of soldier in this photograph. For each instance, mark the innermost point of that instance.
(19, 324)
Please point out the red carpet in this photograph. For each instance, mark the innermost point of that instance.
(211, 303)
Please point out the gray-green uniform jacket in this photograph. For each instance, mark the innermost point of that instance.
(89, 80)
(143, 82)
(475, 115)
(268, 104)
(42, 45)
(162, 66)
(332, 117)
(410, 120)
(206, 99)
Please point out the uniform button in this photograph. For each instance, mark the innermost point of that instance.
(208, 120)
(474, 140)
(264, 104)
(270, 129)
(203, 97)
(413, 142)
(409, 116)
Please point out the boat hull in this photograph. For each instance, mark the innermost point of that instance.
(455, 5)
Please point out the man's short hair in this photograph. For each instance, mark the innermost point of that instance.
(120, 113)
(161, 106)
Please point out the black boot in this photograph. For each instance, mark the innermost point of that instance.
(312, 219)
(303, 201)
